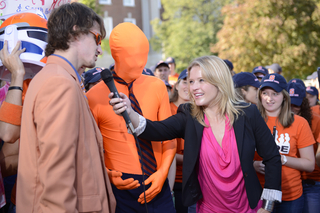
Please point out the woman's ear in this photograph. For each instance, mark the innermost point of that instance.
(243, 92)
(176, 85)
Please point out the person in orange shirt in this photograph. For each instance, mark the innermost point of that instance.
(173, 77)
(10, 112)
(293, 137)
(129, 48)
(162, 72)
(310, 180)
(180, 95)
(11, 108)
(312, 95)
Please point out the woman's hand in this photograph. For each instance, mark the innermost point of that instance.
(121, 104)
(259, 166)
(261, 210)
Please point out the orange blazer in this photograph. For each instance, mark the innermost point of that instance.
(61, 163)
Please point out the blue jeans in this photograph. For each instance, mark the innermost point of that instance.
(180, 208)
(192, 209)
(311, 193)
(127, 200)
(12, 208)
(294, 206)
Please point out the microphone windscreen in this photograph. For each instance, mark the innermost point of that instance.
(106, 75)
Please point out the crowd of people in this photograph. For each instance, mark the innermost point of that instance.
(205, 140)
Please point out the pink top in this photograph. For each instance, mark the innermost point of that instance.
(3, 92)
(220, 175)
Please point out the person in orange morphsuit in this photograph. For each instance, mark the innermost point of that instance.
(129, 48)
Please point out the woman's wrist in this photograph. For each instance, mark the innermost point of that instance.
(268, 205)
(283, 159)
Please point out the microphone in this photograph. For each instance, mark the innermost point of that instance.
(107, 77)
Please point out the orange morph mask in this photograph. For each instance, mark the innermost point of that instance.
(129, 49)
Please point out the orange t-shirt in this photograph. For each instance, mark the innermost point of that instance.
(173, 78)
(289, 141)
(316, 109)
(120, 147)
(180, 147)
(315, 126)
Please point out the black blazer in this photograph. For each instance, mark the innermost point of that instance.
(251, 133)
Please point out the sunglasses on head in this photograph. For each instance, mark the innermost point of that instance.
(97, 37)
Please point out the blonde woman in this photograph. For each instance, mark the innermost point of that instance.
(221, 134)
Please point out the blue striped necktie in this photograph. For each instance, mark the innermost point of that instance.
(148, 159)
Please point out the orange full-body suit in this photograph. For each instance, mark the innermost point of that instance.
(129, 48)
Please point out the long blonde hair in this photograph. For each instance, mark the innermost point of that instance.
(285, 117)
(217, 73)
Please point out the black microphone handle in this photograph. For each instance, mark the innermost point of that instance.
(124, 113)
(107, 77)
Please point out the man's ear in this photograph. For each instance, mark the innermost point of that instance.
(74, 29)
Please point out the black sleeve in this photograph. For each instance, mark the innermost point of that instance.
(267, 149)
(170, 128)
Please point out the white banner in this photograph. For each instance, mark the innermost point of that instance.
(15, 6)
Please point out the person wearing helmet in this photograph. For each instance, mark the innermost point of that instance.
(61, 166)
(19, 61)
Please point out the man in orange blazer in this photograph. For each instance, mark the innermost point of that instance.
(61, 164)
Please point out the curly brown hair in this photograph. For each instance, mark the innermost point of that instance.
(305, 111)
(62, 21)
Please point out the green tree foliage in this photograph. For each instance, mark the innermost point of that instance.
(189, 28)
(93, 4)
(258, 32)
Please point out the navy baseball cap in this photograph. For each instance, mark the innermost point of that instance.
(245, 78)
(298, 81)
(183, 74)
(170, 60)
(147, 71)
(297, 93)
(260, 69)
(274, 81)
(229, 64)
(93, 75)
(162, 63)
(312, 91)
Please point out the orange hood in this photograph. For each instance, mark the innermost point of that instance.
(129, 49)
